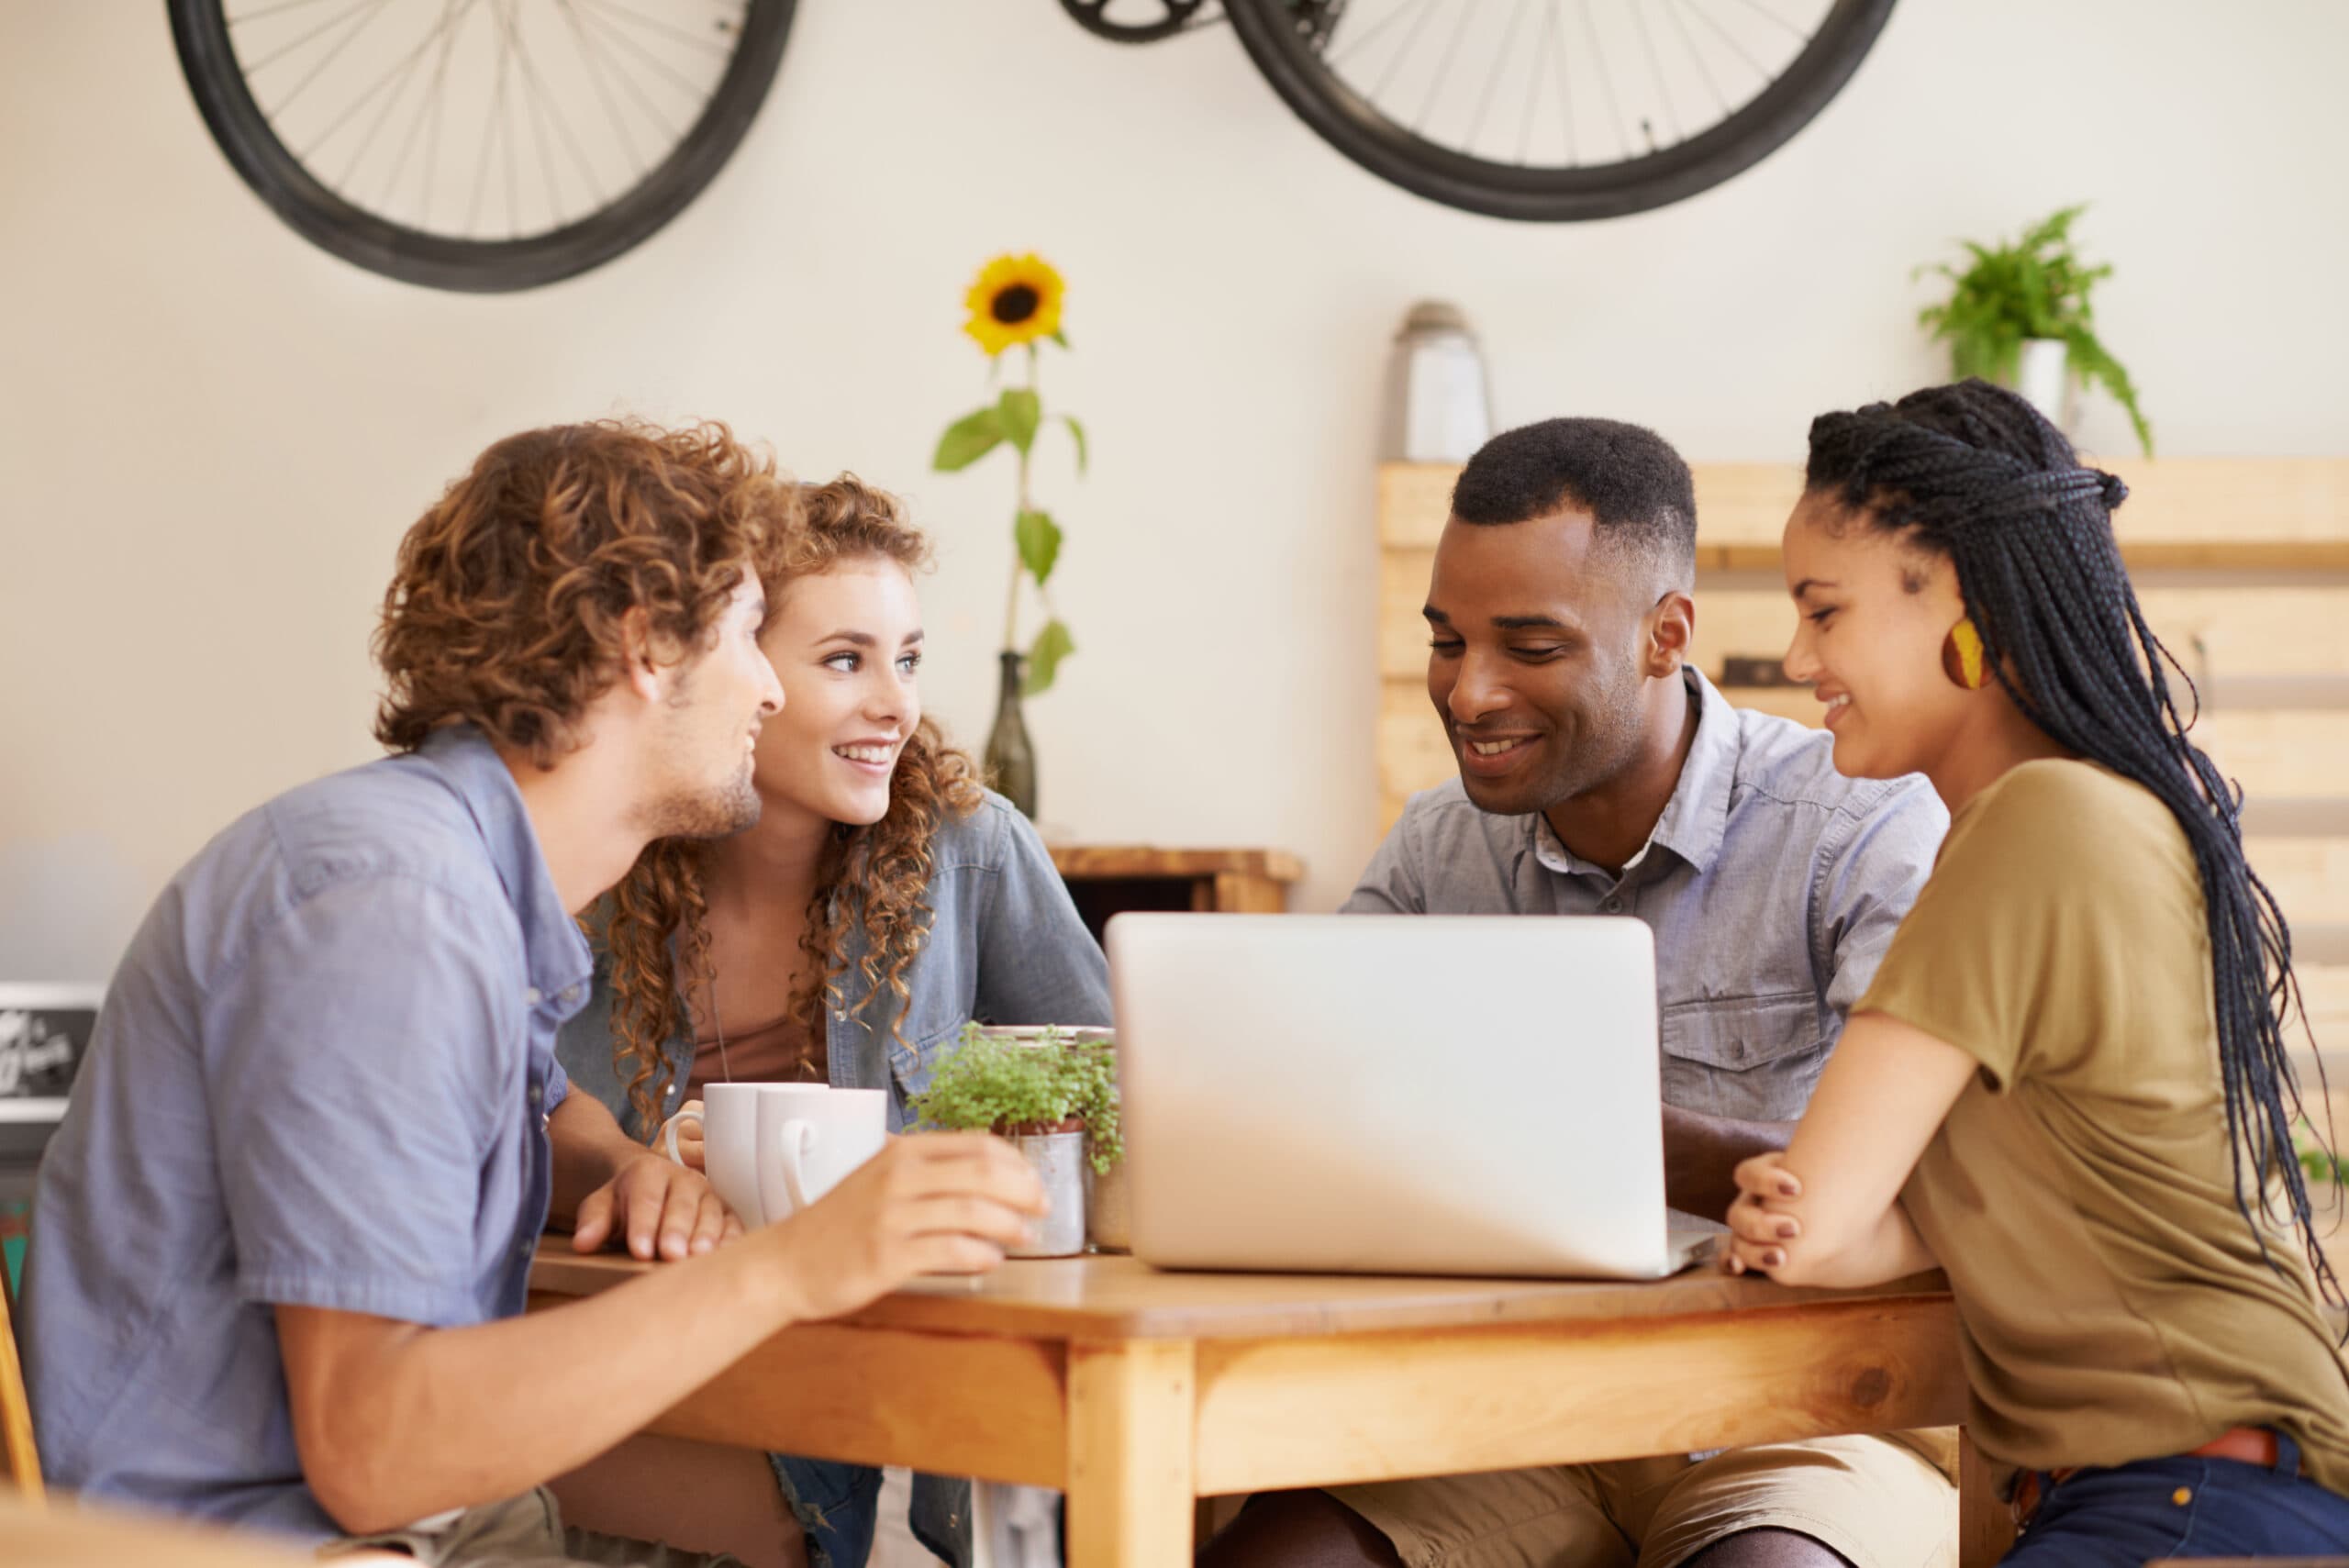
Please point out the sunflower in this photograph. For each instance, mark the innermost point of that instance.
(1016, 300)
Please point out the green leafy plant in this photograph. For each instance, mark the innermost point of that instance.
(2036, 288)
(2320, 1163)
(1012, 1087)
(1015, 303)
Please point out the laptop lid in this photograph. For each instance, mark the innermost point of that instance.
(1470, 1095)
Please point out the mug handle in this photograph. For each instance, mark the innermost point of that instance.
(669, 1131)
(797, 1137)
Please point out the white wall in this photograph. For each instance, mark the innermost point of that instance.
(211, 435)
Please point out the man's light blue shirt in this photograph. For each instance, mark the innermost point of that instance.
(1773, 884)
(321, 1078)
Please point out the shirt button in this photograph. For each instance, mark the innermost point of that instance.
(523, 1248)
(570, 995)
(537, 1093)
(1613, 906)
(530, 994)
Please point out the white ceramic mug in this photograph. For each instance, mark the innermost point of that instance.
(728, 1121)
(807, 1143)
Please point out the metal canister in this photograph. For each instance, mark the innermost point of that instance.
(1438, 406)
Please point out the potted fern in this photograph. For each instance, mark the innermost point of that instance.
(1053, 1095)
(2019, 315)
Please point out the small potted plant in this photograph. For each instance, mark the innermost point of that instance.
(1054, 1095)
(2019, 315)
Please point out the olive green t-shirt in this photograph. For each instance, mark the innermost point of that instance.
(2112, 1301)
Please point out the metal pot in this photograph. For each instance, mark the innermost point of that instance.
(1058, 1160)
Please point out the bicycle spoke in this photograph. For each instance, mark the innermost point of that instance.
(723, 51)
(1409, 38)
(265, 11)
(1566, 92)
(1500, 63)
(1467, 11)
(488, 131)
(1672, 9)
(403, 71)
(691, 89)
(1356, 41)
(452, 17)
(1663, 93)
(592, 58)
(331, 56)
(546, 106)
(1772, 16)
(1533, 86)
(255, 68)
(643, 99)
(1606, 79)
(1737, 48)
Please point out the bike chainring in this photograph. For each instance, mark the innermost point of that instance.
(1162, 19)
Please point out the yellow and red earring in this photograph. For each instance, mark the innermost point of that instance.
(1961, 656)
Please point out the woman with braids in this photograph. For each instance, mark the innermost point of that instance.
(882, 900)
(2068, 1084)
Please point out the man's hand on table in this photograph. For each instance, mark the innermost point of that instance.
(940, 1202)
(658, 1206)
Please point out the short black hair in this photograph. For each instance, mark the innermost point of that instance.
(1629, 479)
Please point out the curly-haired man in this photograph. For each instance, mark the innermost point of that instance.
(286, 1227)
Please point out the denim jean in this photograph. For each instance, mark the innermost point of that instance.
(2135, 1514)
(838, 1508)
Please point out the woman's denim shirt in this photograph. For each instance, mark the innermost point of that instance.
(1004, 947)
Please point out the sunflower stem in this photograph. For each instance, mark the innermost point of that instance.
(1019, 567)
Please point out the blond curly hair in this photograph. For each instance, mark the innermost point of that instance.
(875, 876)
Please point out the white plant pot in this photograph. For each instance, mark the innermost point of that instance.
(2043, 379)
(1058, 1160)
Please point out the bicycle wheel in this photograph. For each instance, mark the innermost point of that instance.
(1553, 110)
(478, 145)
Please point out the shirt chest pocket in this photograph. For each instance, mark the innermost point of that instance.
(911, 1065)
(1750, 1058)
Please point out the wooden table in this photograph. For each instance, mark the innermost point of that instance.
(1137, 1392)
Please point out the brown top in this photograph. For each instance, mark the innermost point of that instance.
(2114, 1304)
(1110, 1297)
(782, 1051)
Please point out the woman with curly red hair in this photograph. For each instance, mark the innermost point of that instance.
(883, 900)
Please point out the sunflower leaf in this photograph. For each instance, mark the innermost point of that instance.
(1077, 430)
(1060, 335)
(1038, 538)
(1051, 645)
(1018, 414)
(967, 439)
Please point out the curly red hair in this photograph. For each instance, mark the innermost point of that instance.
(875, 876)
(508, 604)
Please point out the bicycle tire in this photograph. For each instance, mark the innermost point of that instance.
(1351, 124)
(207, 60)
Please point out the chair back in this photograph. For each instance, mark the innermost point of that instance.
(16, 1409)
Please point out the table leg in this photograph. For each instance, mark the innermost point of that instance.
(1133, 1417)
(1986, 1528)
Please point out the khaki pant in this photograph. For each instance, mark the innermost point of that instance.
(522, 1533)
(1880, 1502)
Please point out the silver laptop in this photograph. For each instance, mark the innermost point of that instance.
(1394, 1095)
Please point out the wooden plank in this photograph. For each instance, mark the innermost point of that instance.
(1413, 753)
(2261, 513)
(1107, 1298)
(1986, 1527)
(1130, 1487)
(1304, 1412)
(952, 1405)
(1143, 860)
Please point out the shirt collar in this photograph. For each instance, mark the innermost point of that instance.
(1696, 818)
(553, 949)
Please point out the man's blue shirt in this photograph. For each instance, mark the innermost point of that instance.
(321, 1078)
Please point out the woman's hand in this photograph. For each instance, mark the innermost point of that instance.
(1763, 1234)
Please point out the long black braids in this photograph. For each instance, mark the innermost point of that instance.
(1974, 473)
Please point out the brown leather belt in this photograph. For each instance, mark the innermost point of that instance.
(2246, 1445)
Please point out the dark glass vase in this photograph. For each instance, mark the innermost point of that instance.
(1010, 759)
